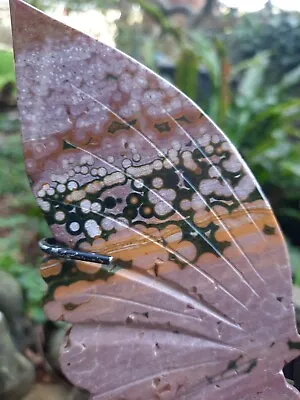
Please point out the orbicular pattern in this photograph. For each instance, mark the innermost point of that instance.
(197, 302)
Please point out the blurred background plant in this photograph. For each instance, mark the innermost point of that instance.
(242, 68)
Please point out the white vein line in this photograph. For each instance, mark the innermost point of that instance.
(216, 169)
(240, 275)
(147, 306)
(169, 291)
(224, 226)
(236, 376)
(166, 248)
(236, 270)
(146, 378)
(226, 183)
(196, 335)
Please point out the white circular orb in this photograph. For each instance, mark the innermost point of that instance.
(74, 226)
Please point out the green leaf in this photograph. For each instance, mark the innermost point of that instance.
(37, 315)
(290, 212)
(187, 73)
(291, 79)
(292, 167)
(206, 51)
(252, 79)
(7, 71)
(294, 254)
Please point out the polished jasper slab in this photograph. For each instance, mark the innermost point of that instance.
(197, 303)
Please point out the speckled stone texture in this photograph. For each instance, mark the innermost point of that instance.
(197, 303)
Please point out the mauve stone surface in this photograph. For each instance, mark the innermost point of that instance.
(197, 304)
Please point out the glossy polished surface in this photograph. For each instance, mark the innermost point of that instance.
(197, 304)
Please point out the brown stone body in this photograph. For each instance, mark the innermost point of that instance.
(197, 303)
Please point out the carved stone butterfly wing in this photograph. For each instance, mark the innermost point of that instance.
(197, 302)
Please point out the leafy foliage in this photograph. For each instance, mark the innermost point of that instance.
(21, 224)
(73, 4)
(278, 33)
(7, 74)
(295, 262)
(7, 79)
(187, 73)
(31, 283)
(262, 123)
